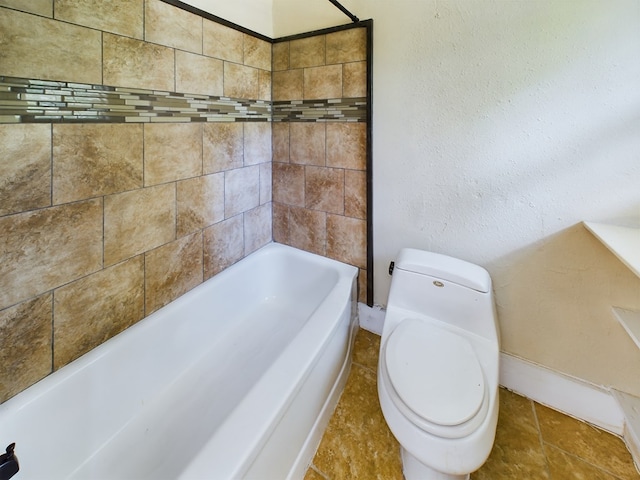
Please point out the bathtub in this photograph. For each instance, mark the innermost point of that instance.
(235, 379)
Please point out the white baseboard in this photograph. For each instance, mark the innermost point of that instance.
(612, 411)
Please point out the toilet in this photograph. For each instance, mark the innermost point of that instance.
(438, 365)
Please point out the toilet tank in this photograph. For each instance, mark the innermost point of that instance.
(447, 289)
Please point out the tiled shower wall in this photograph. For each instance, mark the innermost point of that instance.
(319, 164)
(106, 219)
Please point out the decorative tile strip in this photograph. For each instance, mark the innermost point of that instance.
(332, 110)
(24, 100)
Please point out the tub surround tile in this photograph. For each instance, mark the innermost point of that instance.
(324, 189)
(138, 221)
(266, 188)
(280, 223)
(172, 152)
(264, 88)
(124, 17)
(354, 80)
(347, 46)
(241, 81)
(241, 190)
(595, 446)
(346, 145)
(347, 239)
(355, 194)
(362, 285)
(200, 203)
(257, 228)
(323, 82)
(44, 249)
(127, 62)
(307, 143)
(25, 344)
(37, 47)
(199, 74)
(222, 42)
(280, 142)
(288, 85)
(308, 230)
(167, 25)
(172, 270)
(223, 147)
(288, 184)
(38, 7)
(257, 53)
(280, 56)
(91, 160)
(93, 309)
(223, 245)
(257, 143)
(307, 52)
(25, 168)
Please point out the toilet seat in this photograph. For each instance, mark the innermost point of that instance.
(436, 379)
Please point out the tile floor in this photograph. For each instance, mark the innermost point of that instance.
(532, 442)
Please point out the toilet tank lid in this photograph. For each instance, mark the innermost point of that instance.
(445, 268)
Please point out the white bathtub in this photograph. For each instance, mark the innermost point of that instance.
(235, 379)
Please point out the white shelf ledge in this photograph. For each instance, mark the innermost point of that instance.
(630, 320)
(624, 242)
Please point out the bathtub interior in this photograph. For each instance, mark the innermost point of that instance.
(153, 395)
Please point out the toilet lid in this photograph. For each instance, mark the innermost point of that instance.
(435, 372)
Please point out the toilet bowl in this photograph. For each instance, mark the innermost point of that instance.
(438, 365)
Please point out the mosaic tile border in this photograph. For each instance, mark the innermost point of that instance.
(332, 110)
(24, 100)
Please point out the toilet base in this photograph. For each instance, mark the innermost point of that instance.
(414, 469)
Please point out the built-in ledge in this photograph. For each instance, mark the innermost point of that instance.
(624, 242)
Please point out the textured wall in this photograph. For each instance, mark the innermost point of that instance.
(103, 223)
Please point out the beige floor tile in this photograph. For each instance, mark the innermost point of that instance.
(366, 349)
(568, 467)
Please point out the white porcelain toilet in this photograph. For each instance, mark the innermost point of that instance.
(438, 366)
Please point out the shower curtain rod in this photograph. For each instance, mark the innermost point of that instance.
(345, 11)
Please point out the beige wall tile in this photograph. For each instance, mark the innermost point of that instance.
(323, 82)
(347, 46)
(200, 203)
(172, 270)
(36, 47)
(257, 142)
(347, 145)
(39, 7)
(280, 141)
(280, 220)
(198, 74)
(223, 147)
(355, 194)
(280, 56)
(222, 42)
(362, 285)
(264, 79)
(136, 64)
(25, 345)
(241, 190)
(124, 17)
(288, 184)
(307, 52)
(223, 245)
(241, 81)
(172, 152)
(257, 52)
(324, 189)
(308, 140)
(137, 221)
(91, 160)
(354, 80)
(171, 26)
(44, 249)
(288, 85)
(308, 230)
(93, 309)
(266, 188)
(347, 240)
(25, 167)
(257, 228)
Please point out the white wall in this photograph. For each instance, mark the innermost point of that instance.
(498, 126)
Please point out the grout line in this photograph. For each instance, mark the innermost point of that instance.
(542, 443)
